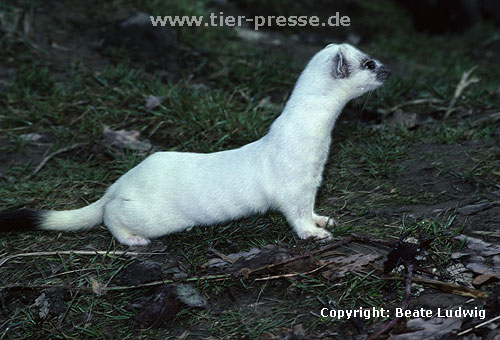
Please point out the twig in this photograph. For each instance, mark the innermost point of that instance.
(68, 308)
(479, 325)
(330, 246)
(15, 129)
(221, 255)
(306, 255)
(492, 118)
(377, 241)
(118, 288)
(416, 102)
(462, 85)
(408, 280)
(293, 274)
(160, 282)
(486, 233)
(217, 277)
(52, 155)
(76, 252)
(448, 287)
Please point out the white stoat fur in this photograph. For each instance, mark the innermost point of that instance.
(173, 191)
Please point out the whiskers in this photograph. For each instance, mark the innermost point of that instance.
(364, 106)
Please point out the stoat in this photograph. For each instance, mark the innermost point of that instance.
(172, 191)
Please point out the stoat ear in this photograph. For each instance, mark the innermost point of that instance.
(340, 67)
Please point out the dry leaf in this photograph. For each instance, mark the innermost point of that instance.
(254, 258)
(43, 306)
(459, 274)
(481, 247)
(482, 258)
(338, 266)
(432, 329)
(165, 302)
(125, 139)
(479, 280)
(31, 137)
(475, 208)
(56, 46)
(96, 286)
(226, 260)
(490, 268)
(189, 296)
(251, 35)
(159, 308)
(224, 72)
(153, 102)
(140, 272)
(403, 119)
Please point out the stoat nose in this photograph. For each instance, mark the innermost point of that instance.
(383, 73)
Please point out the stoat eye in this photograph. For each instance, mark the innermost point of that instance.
(369, 65)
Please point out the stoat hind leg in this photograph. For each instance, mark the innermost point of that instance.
(118, 226)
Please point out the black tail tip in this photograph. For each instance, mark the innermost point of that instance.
(19, 220)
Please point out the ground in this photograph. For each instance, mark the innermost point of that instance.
(430, 168)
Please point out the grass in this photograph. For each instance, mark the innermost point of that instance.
(206, 112)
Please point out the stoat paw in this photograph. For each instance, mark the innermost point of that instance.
(136, 241)
(324, 221)
(316, 233)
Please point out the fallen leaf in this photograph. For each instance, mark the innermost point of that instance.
(299, 332)
(267, 104)
(153, 102)
(226, 260)
(493, 302)
(124, 139)
(432, 329)
(459, 274)
(81, 319)
(56, 46)
(165, 302)
(56, 299)
(475, 208)
(158, 311)
(403, 119)
(189, 296)
(270, 336)
(252, 259)
(251, 35)
(481, 247)
(141, 272)
(339, 266)
(486, 267)
(43, 306)
(96, 286)
(224, 72)
(481, 279)
(51, 302)
(31, 137)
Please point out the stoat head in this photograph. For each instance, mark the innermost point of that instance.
(341, 69)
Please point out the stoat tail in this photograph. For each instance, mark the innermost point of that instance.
(67, 220)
